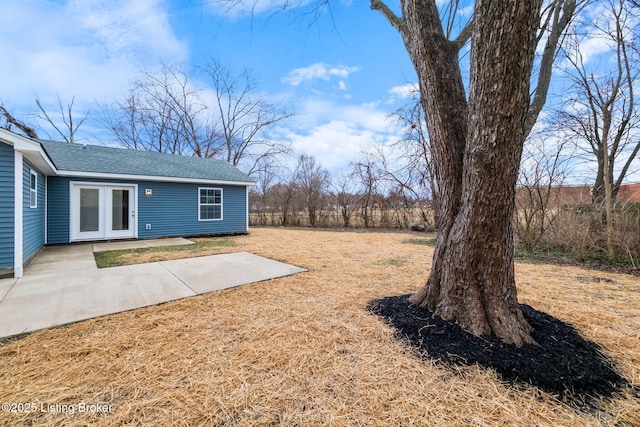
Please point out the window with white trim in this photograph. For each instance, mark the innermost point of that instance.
(210, 204)
(33, 190)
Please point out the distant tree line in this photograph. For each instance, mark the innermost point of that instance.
(363, 197)
(388, 187)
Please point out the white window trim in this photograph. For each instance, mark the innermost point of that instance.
(221, 204)
(33, 191)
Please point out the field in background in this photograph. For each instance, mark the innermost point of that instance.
(303, 350)
(541, 226)
(376, 218)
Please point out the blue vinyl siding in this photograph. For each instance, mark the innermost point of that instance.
(172, 209)
(32, 218)
(6, 205)
(57, 210)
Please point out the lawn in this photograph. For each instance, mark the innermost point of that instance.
(201, 247)
(304, 350)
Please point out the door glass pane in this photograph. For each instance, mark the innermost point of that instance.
(120, 210)
(89, 209)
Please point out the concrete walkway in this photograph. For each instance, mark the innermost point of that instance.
(64, 285)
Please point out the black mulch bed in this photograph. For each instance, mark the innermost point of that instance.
(564, 364)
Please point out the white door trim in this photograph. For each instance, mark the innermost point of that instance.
(104, 229)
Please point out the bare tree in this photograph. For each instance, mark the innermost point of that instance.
(542, 174)
(69, 126)
(412, 169)
(366, 174)
(313, 181)
(244, 117)
(556, 17)
(603, 117)
(346, 199)
(476, 147)
(261, 193)
(284, 196)
(164, 112)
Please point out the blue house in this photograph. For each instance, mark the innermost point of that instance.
(55, 192)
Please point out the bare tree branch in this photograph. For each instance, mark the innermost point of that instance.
(28, 130)
(67, 118)
(603, 111)
(464, 35)
(244, 116)
(164, 112)
(560, 14)
(395, 21)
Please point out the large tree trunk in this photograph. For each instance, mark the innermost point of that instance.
(444, 102)
(477, 151)
(477, 148)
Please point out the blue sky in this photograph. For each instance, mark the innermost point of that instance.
(343, 72)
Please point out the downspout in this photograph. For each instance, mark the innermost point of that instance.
(46, 209)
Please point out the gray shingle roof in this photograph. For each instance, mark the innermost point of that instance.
(112, 160)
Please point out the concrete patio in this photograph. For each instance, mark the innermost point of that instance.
(63, 284)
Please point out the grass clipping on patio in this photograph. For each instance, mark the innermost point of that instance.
(304, 350)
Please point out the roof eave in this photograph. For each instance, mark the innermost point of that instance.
(155, 178)
(31, 149)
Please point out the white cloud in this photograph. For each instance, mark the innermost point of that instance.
(593, 45)
(337, 134)
(124, 27)
(319, 71)
(86, 48)
(337, 143)
(598, 45)
(404, 91)
(317, 111)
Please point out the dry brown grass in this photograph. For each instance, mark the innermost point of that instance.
(302, 350)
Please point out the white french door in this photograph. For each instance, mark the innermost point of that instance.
(102, 212)
(120, 212)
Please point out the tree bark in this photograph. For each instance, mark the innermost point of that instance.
(444, 101)
(608, 197)
(477, 150)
